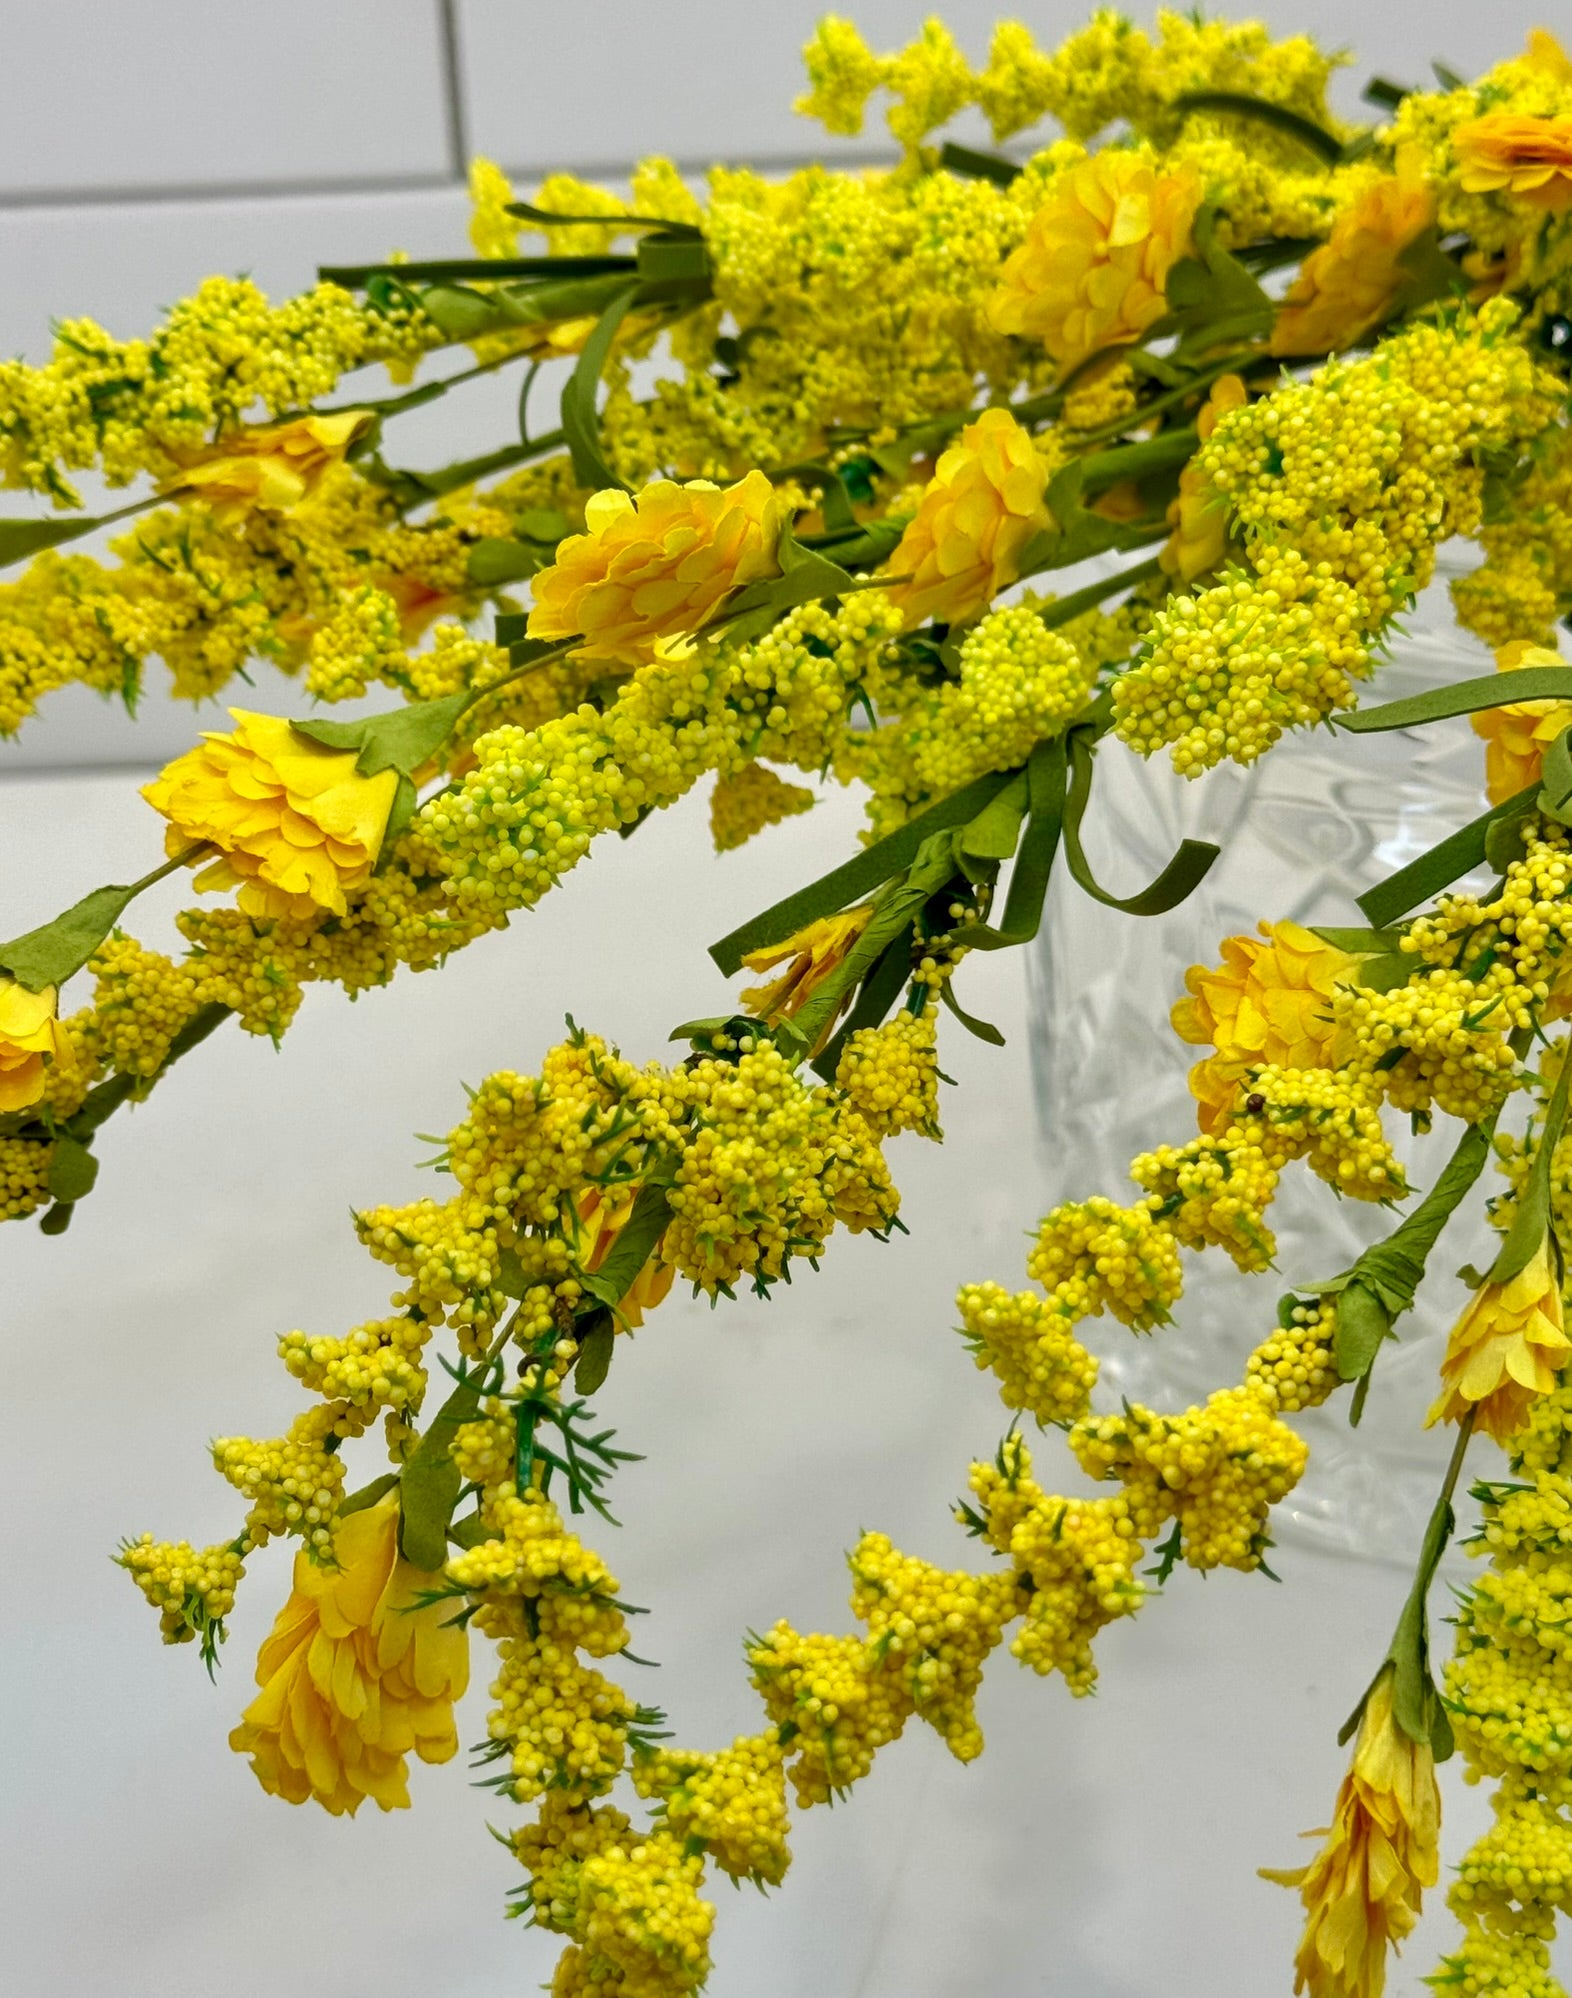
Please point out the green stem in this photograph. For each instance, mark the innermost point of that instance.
(1065, 609)
(1231, 364)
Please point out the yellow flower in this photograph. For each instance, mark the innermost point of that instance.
(1363, 1890)
(810, 955)
(276, 468)
(978, 511)
(1507, 1348)
(1266, 1004)
(1517, 736)
(29, 1039)
(1354, 279)
(1199, 516)
(602, 1216)
(1092, 270)
(656, 567)
(1529, 159)
(354, 1676)
(294, 824)
(1546, 57)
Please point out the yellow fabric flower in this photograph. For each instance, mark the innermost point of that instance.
(294, 824)
(1363, 1890)
(1508, 1347)
(1517, 736)
(1199, 516)
(656, 567)
(1354, 279)
(1266, 1004)
(1092, 269)
(354, 1677)
(977, 513)
(29, 1039)
(602, 1216)
(278, 468)
(810, 955)
(1529, 159)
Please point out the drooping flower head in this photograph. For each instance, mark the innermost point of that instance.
(294, 824)
(278, 468)
(1266, 1004)
(1507, 1348)
(1527, 159)
(981, 507)
(1092, 270)
(29, 1040)
(1354, 279)
(656, 566)
(1517, 735)
(354, 1676)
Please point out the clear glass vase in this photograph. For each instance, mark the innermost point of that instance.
(1303, 832)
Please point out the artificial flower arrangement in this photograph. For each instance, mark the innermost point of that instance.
(814, 436)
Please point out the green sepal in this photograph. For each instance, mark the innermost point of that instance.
(431, 1482)
(73, 1169)
(855, 878)
(51, 954)
(1212, 298)
(580, 418)
(1361, 1326)
(595, 1351)
(510, 1278)
(1179, 879)
(368, 1495)
(528, 212)
(1428, 272)
(1459, 853)
(631, 1251)
(497, 560)
(1462, 697)
(805, 576)
(1077, 532)
(401, 739)
(1262, 111)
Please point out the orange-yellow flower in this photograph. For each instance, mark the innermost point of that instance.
(1529, 159)
(1517, 736)
(810, 955)
(1092, 269)
(978, 511)
(276, 468)
(1266, 1003)
(294, 824)
(656, 567)
(29, 1040)
(1199, 516)
(1355, 278)
(354, 1676)
(1508, 1347)
(1362, 1891)
(602, 1216)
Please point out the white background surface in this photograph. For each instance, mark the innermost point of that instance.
(1101, 1849)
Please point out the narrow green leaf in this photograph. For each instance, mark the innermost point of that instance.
(21, 538)
(595, 1351)
(1388, 95)
(879, 991)
(631, 1250)
(580, 418)
(983, 1030)
(72, 1171)
(1359, 943)
(666, 258)
(992, 835)
(51, 954)
(978, 166)
(1046, 773)
(855, 878)
(1181, 877)
(1459, 853)
(528, 212)
(1531, 1222)
(368, 1495)
(1262, 111)
(430, 1484)
(1462, 697)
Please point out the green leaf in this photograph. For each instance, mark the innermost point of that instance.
(400, 739)
(511, 1280)
(1388, 95)
(496, 560)
(993, 833)
(895, 910)
(50, 954)
(1531, 1222)
(978, 166)
(580, 418)
(368, 1495)
(669, 257)
(856, 878)
(1360, 1328)
(1211, 296)
(1459, 853)
(880, 989)
(430, 1484)
(595, 1351)
(1180, 878)
(631, 1250)
(983, 1030)
(1359, 943)
(1428, 272)
(1462, 697)
(72, 1171)
(1046, 773)
(1555, 799)
(1064, 609)
(21, 538)
(1262, 111)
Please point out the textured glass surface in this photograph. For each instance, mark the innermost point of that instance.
(1314, 823)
